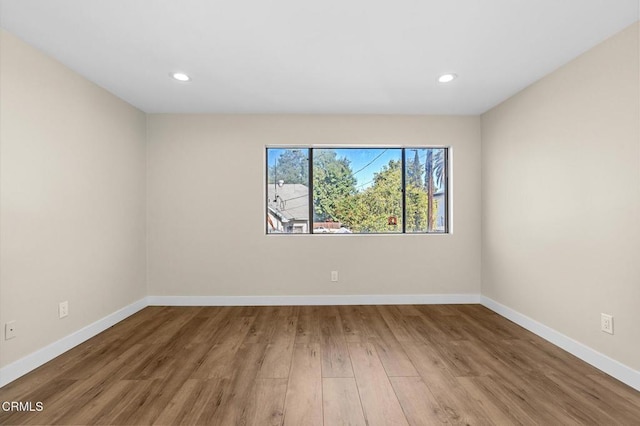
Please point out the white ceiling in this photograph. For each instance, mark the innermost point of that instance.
(328, 56)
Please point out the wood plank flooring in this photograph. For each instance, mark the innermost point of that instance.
(319, 365)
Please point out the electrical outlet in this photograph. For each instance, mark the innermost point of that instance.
(63, 309)
(606, 323)
(10, 330)
(334, 276)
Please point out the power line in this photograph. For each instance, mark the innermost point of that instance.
(370, 162)
(366, 183)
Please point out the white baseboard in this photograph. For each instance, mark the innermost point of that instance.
(30, 362)
(602, 362)
(354, 299)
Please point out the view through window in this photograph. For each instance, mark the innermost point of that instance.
(357, 190)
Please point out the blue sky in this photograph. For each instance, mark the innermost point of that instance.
(366, 162)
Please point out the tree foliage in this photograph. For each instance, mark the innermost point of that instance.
(333, 182)
(416, 198)
(416, 208)
(292, 166)
(415, 171)
(369, 210)
(434, 176)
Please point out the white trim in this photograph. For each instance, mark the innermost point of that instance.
(32, 361)
(602, 362)
(352, 299)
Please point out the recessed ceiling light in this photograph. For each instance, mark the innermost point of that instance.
(446, 78)
(180, 76)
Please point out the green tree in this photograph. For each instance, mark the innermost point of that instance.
(416, 198)
(369, 210)
(415, 171)
(416, 208)
(434, 175)
(333, 183)
(292, 166)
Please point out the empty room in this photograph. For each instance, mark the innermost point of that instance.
(319, 213)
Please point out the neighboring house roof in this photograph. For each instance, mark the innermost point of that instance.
(289, 201)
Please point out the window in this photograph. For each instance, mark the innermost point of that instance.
(357, 190)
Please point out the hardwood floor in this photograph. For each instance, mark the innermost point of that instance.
(314, 365)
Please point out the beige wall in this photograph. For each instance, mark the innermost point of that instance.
(206, 223)
(72, 188)
(561, 199)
